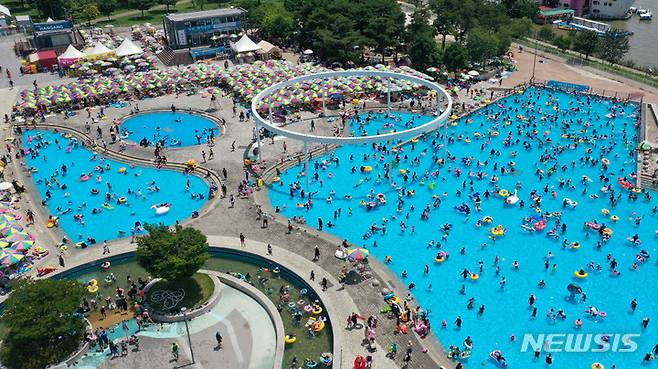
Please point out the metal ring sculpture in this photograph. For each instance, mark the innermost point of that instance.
(441, 117)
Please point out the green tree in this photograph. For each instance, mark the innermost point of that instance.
(444, 20)
(523, 9)
(455, 56)
(199, 3)
(51, 8)
(142, 5)
(168, 3)
(546, 33)
(90, 12)
(482, 45)
(172, 254)
(586, 42)
(43, 328)
(613, 46)
(562, 42)
(106, 7)
(275, 22)
(519, 28)
(422, 47)
(490, 16)
(465, 18)
(383, 24)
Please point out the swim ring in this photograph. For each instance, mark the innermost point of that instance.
(503, 193)
(289, 338)
(581, 274)
(475, 276)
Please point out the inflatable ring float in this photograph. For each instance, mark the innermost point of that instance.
(440, 259)
(106, 265)
(475, 276)
(575, 245)
(487, 219)
(503, 193)
(605, 211)
(580, 274)
(290, 338)
(607, 232)
(598, 366)
(317, 310)
(614, 218)
(122, 200)
(367, 169)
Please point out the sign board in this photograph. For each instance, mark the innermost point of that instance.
(52, 26)
(182, 37)
(214, 27)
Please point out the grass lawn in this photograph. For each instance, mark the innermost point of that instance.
(198, 290)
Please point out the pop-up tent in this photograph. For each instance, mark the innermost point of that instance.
(244, 45)
(99, 51)
(127, 48)
(70, 56)
(47, 58)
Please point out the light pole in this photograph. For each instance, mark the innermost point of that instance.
(534, 62)
(187, 329)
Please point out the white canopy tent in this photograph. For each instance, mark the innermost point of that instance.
(4, 10)
(98, 51)
(127, 48)
(244, 45)
(70, 56)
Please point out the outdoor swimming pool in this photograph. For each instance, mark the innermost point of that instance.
(172, 129)
(103, 199)
(524, 141)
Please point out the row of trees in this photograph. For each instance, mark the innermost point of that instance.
(87, 10)
(481, 30)
(340, 30)
(611, 47)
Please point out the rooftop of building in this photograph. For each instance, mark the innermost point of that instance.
(179, 17)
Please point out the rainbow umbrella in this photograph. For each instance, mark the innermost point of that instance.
(10, 259)
(357, 254)
(17, 236)
(22, 246)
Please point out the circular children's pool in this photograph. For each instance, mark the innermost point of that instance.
(169, 129)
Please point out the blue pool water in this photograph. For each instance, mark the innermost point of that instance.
(557, 128)
(137, 185)
(173, 129)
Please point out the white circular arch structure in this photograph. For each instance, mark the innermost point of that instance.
(440, 117)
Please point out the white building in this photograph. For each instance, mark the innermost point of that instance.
(610, 9)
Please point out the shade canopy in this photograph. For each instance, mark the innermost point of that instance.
(128, 47)
(98, 50)
(244, 45)
(4, 10)
(71, 53)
